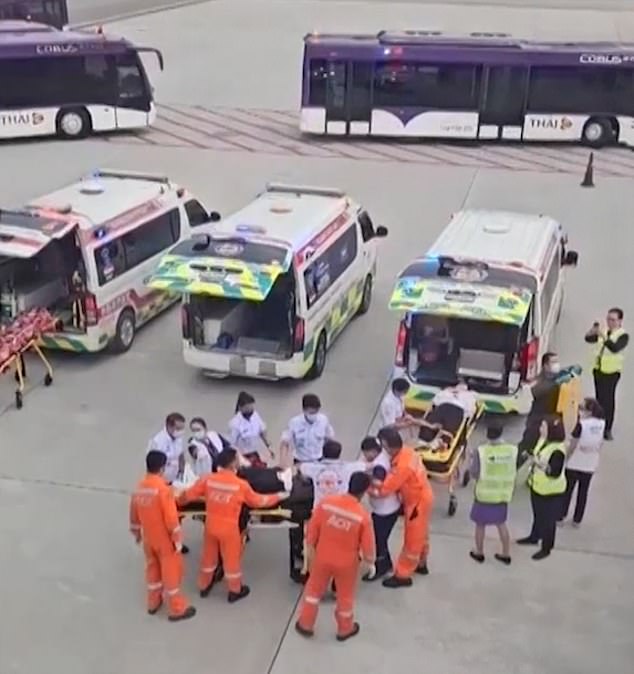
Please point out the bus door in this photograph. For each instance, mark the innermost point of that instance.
(349, 98)
(503, 102)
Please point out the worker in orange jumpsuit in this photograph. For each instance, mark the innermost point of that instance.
(408, 479)
(225, 494)
(339, 533)
(154, 522)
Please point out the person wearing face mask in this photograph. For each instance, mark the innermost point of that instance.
(392, 411)
(225, 494)
(169, 441)
(307, 432)
(247, 431)
(204, 446)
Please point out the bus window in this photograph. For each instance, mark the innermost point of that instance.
(317, 83)
(130, 81)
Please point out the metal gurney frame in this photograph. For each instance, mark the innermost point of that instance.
(256, 519)
(456, 455)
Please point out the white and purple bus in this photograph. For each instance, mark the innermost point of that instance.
(51, 12)
(70, 84)
(425, 84)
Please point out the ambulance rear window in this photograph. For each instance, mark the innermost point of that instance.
(233, 249)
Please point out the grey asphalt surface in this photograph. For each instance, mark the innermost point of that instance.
(71, 584)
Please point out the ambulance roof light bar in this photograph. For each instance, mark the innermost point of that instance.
(299, 190)
(127, 175)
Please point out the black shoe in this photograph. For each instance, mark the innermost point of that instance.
(333, 587)
(395, 581)
(379, 573)
(233, 597)
(476, 556)
(355, 630)
(188, 613)
(298, 577)
(156, 609)
(503, 559)
(422, 569)
(185, 550)
(304, 632)
(608, 436)
(541, 554)
(205, 591)
(527, 540)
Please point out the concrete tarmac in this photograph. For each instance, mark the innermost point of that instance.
(71, 586)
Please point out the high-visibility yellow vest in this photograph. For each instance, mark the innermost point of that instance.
(604, 360)
(538, 481)
(498, 468)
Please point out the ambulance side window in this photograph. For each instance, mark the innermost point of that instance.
(330, 265)
(196, 214)
(549, 288)
(110, 261)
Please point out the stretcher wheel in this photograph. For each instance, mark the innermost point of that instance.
(19, 400)
(466, 478)
(48, 380)
(453, 506)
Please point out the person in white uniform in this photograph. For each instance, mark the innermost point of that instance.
(204, 446)
(392, 411)
(169, 441)
(385, 511)
(307, 432)
(583, 457)
(247, 430)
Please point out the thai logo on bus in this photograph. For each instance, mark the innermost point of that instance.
(555, 123)
(68, 48)
(605, 59)
(21, 119)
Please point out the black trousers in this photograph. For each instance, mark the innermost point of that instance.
(383, 525)
(605, 393)
(574, 478)
(530, 437)
(546, 512)
(296, 548)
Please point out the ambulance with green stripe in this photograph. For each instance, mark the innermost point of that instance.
(268, 291)
(85, 251)
(482, 306)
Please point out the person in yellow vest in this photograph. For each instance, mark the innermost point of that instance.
(494, 467)
(547, 482)
(609, 354)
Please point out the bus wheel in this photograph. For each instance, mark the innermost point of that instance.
(319, 361)
(367, 297)
(126, 331)
(597, 132)
(73, 123)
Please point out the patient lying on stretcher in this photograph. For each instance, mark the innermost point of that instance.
(450, 407)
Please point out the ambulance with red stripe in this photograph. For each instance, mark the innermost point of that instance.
(270, 288)
(85, 251)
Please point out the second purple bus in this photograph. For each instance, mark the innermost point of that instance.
(424, 84)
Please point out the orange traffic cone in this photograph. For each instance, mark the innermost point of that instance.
(588, 177)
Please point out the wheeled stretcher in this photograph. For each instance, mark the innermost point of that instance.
(291, 514)
(442, 446)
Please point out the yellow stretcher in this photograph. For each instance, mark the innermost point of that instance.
(265, 518)
(17, 363)
(444, 464)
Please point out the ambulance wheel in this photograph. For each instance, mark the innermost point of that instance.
(366, 299)
(126, 331)
(18, 400)
(453, 506)
(319, 360)
(73, 123)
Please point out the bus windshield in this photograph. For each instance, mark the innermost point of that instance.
(484, 85)
(51, 12)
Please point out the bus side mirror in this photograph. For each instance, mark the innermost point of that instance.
(214, 216)
(381, 232)
(571, 259)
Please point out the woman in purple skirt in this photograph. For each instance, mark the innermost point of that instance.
(494, 467)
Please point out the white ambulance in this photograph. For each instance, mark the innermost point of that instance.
(267, 292)
(482, 306)
(85, 252)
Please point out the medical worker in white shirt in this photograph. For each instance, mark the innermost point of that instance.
(392, 411)
(385, 511)
(247, 430)
(583, 457)
(169, 440)
(307, 432)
